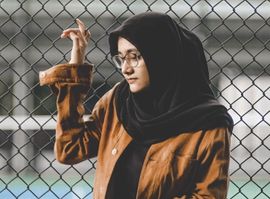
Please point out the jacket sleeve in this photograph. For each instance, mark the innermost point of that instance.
(212, 174)
(75, 140)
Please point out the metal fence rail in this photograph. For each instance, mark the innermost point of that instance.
(236, 39)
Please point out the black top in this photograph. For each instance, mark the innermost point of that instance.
(124, 182)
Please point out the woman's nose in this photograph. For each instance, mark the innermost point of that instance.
(126, 68)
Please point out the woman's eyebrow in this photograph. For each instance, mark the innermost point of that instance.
(129, 51)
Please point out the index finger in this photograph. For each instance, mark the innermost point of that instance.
(81, 26)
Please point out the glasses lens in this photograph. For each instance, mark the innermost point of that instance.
(117, 60)
(133, 62)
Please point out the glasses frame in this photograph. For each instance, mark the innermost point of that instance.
(127, 59)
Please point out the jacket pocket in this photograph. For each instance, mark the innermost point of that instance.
(184, 169)
(170, 177)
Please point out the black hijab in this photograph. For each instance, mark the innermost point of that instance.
(179, 98)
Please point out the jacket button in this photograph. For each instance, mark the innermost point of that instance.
(42, 74)
(114, 151)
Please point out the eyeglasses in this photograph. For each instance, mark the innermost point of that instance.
(131, 58)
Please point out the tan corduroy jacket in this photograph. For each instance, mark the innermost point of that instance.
(190, 165)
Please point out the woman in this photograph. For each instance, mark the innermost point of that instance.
(160, 133)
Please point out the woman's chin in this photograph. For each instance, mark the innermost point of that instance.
(136, 88)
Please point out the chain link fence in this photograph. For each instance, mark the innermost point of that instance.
(236, 38)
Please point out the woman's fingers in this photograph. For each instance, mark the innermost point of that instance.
(75, 38)
(88, 33)
(66, 32)
(79, 37)
(81, 26)
(71, 33)
(85, 35)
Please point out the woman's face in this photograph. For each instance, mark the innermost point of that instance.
(138, 76)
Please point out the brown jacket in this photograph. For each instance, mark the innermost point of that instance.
(190, 165)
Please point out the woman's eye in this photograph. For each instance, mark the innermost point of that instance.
(132, 56)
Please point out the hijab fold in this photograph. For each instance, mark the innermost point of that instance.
(179, 98)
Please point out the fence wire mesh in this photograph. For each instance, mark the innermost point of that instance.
(236, 39)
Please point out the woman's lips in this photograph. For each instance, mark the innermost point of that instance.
(131, 80)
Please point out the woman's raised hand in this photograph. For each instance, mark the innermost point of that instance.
(79, 37)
